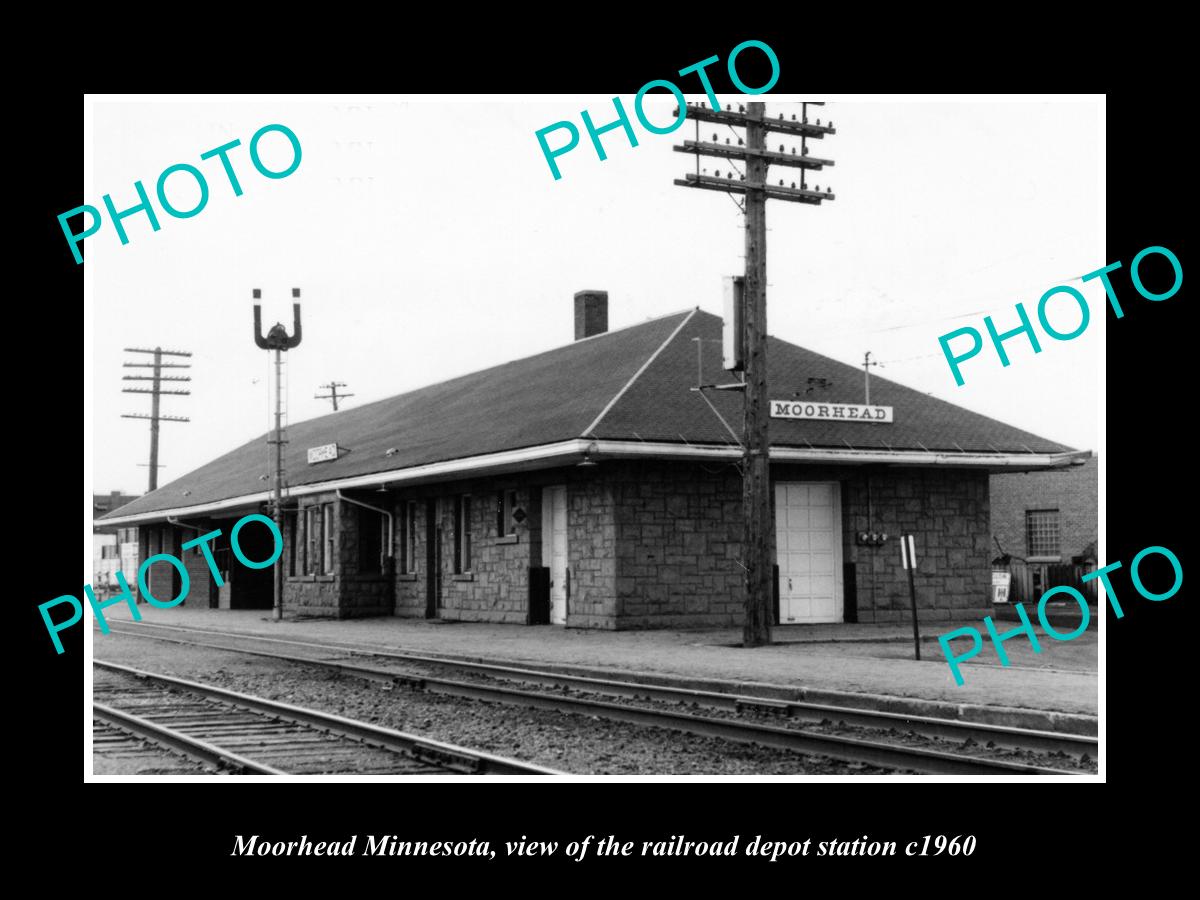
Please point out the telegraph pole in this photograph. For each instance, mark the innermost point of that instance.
(278, 340)
(333, 393)
(756, 477)
(754, 155)
(156, 391)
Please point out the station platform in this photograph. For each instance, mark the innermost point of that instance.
(847, 665)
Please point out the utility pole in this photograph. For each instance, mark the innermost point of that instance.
(277, 339)
(867, 376)
(753, 153)
(333, 393)
(156, 391)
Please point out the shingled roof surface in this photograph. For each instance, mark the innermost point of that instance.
(557, 395)
(661, 406)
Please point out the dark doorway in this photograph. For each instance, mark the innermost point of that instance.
(432, 554)
(253, 588)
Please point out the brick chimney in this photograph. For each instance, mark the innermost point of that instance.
(591, 313)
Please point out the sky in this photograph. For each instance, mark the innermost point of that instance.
(430, 239)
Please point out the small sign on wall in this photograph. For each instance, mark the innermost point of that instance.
(844, 412)
(324, 453)
(1001, 582)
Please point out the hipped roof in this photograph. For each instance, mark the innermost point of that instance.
(634, 384)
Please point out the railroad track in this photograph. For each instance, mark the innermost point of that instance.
(873, 752)
(251, 735)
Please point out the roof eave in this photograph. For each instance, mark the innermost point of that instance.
(560, 453)
(999, 461)
(571, 451)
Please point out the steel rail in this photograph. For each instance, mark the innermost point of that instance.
(837, 746)
(435, 752)
(1007, 736)
(171, 739)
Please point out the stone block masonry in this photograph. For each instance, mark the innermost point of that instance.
(679, 533)
(678, 541)
(947, 512)
(495, 586)
(346, 592)
(650, 545)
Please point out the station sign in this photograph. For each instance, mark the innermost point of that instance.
(324, 453)
(843, 412)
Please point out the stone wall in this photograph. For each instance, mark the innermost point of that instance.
(679, 533)
(678, 538)
(410, 587)
(947, 512)
(651, 544)
(592, 549)
(346, 592)
(496, 587)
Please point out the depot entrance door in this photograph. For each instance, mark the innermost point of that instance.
(808, 549)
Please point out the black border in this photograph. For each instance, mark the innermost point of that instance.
(1146, 497)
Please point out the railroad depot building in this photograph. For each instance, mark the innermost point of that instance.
(593, 486)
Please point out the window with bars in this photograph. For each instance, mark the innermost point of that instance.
(327, 557)
(1042, 533)
(462, 534)
(312, 539)
(409, 540)
(291, 530)
(318, 543)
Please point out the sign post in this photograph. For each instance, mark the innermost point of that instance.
(908, 558)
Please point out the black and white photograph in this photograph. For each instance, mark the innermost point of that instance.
(413, 460)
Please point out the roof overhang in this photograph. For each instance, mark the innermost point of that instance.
(575, 450)
(1005, 462)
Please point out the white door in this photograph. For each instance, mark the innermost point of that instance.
(554, 549)
(808, 549)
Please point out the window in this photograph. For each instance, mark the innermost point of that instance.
(372, 538)
(108, 551)
(327, 528)
(462, 534)
(1041, 533)
(291, 531)
(506, 502)
(318, 543)
(312, 538)
(408, 564)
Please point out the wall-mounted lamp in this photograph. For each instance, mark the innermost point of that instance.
(587, 460)
(872, 538)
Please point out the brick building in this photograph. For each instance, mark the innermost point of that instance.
(1047, 517)
(1044, 528)
(593, 486)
